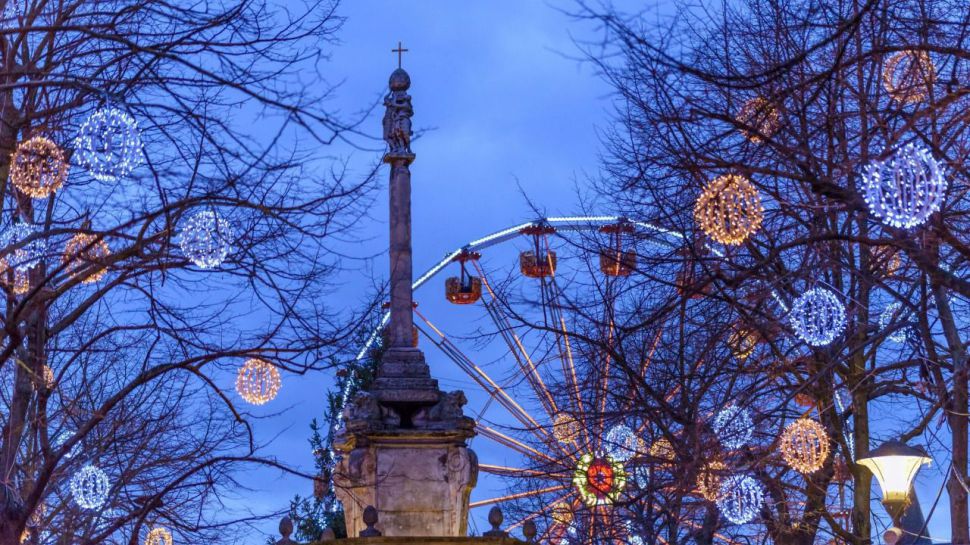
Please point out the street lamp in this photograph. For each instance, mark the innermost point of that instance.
(895, 464)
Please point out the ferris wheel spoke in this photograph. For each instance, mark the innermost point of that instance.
(505, 471)
(513, 444)
(518, 495)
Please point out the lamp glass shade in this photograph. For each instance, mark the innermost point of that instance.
(895, 471)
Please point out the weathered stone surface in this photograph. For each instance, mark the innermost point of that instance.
(385, 540)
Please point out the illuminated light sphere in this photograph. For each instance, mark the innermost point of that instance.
(817, 317)
(662, 450)
(109, 145)
(709, 480)
(805, 445)
(565, 428)
(89, 486)
(599, 480)
(258, 382)
(158, 536)
(908, 75)
(886, 257)
(622, 443)
(641, 476)
(86, 252)
(729, 209)
(733, 427)
(741, 498)
(759, 119)
(742, 341)
(562, 513)
(61, 439)
(38, 168)
(25, 256)
(886, 319)
(206, 239)
(906, 189)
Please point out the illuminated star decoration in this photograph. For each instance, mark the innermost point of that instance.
(817, 317)
(206, 239)
(89, 486)
(109, 145)
(905, 190)
(741, 498)
(733, 427)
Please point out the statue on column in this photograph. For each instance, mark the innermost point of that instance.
(397, 115)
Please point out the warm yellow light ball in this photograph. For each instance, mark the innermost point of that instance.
(662, 450)
(759, 119)
(86, 252)
(729, 209)
(805, 445)
(565, 428)
(908, 75)
(742, 341)
(258, 382)
(158, 536)
(562, 513)
(38, 167)
(709, 480)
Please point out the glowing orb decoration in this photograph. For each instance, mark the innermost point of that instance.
(908, 75)
(709, 480)
(741, 498)
(906, 189)
(733, 427)
(37, 168)
(805, 445)
(48, 379)
(61, 439)
(562, 513)
(742, 341)
(622, 443)
(258, 382)
(886, 257)
(109, 145)
(729, 209)
(206, 239)
(662, 450)
(158, 536)
(565, 428)
(89, 486)
(85, 254)
(599, 480)
(17, 254)
(641, 476)
(886, 319)
(817, 317)
(759, 119)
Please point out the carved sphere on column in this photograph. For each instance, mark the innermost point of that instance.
(38, 168)
(805, 445)
(729, 209)
(399, 80)
(258, 381)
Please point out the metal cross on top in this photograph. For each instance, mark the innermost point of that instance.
(400, 53)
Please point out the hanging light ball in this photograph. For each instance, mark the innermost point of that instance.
(61, 439)
(599, 480)
(733, 427)
(741, 498)
(48, 379)
(206, 239)
(86, 252)
(662, 450)
(709, 480)
(908, 76)
(817, 317)
(641, 476)
(906, 189)
(258, 382)
(38, 168)
(565, 428)
(729, 209)
(109, 145)
(25, 256)
(562, 513)
(89, 486)
(622, 443)
(805, 445)
(888, 316)
(158, 536)
(742, 341)
(758, 119)
(886, 257)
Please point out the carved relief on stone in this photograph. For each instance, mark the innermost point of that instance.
(445, 414)
(364, 411)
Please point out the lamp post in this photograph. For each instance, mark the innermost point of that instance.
(895, 465)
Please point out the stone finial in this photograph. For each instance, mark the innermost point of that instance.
(495, 518)
(370, 519)
(327, 535)
(286, 528)
(529, 531)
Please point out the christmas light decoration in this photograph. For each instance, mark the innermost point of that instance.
(758, 118)
(641, 474)
(61, 439)
(562, 513)
(18, 255)
(599, 480)
(37, 167)
(86, 252)
(48, 377)
(729, 209)
(886, 257)
(888, 316)
(709, 480)
(733, 427)
(258, 382)
(158, 536)
(817, 317)
(108, 144)
(742, 341)
(13, 11)
(622, 443)
(565, 428)
(662, 450)
(741, 498)
(805, 445)
(908, 75)
(206, 239)
(89, 486)
(905, 190)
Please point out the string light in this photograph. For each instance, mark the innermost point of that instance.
(108, 144)
(905, 190)
(599, 480)
(733, 427)
(729, 209)
(908, 75)
(48, 377)
(206, 239)
(742, 341)
(38, 168)
(758, 118)
(86, 252)
(25, 256)
(258, 382)
(709, 480)
(805, 445)
(817, 317)
(662, 450)
(562, 513)
(886, 257)
(641, 476)
(61, 439)
(622, 443)
(565, 428)
(741, 498)
(158, 536)
(887, 317)
(89, 486)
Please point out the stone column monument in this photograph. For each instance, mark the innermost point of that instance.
(403, 446)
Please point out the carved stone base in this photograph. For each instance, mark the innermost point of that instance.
(403, 378)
